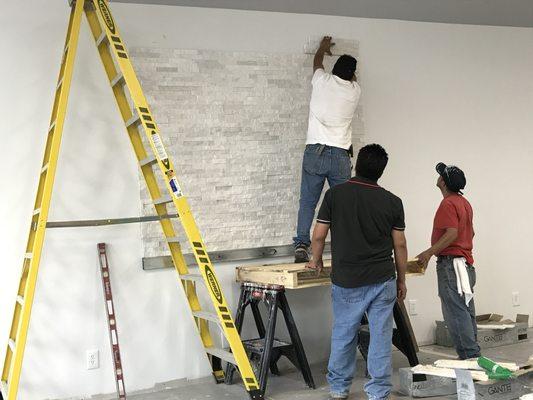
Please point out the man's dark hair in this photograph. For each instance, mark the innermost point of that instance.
(345, 67)
(371, 162)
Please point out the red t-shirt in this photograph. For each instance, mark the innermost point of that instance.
(455, 212)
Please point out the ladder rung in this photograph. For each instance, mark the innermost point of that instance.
(52, 126)
(192, 277)
(222, 354)
(11, 344)
(117, 79)
(163, 200)
(173, 239)
(102, 38)
(208, 316)
(133, 120)
(36, 211)
(20, 300)
(45, 168)
(28, 255)
(3, 389)
(148, 160)
(59, 84)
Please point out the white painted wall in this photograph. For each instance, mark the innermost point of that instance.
(432, 92)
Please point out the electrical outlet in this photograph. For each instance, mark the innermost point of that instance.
(413, 307)
(93, 359)
(516, 299)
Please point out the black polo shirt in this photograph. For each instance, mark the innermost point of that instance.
(361, 216)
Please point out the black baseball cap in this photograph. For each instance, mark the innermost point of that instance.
(454, 177)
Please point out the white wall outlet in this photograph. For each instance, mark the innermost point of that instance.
(413, 307)
(93, 359)
(516, 299)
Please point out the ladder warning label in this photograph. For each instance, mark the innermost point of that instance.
(213, 284)
(106, 14)
(160, 149)
(175, 186)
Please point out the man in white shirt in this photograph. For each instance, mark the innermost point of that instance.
(329, 137)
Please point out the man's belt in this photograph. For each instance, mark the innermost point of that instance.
(323, 146)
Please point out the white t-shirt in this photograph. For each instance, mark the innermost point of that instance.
(333, 104)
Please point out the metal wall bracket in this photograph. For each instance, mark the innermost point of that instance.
(109, 221)
(161, 262)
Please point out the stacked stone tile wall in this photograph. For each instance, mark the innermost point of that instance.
(235, 125)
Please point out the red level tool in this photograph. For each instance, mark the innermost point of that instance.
(111, 320)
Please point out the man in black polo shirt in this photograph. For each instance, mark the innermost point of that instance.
(367, 225)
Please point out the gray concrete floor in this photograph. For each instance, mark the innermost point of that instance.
(290, 384)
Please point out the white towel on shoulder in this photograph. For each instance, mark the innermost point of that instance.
(463, 280)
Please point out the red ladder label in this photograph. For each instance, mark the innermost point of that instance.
(111, 320)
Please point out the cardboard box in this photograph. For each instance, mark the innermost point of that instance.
(416, 385)
(489, 335)
(425, 385)
(522, 321)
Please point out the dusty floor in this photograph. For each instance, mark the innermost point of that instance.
(290, 385)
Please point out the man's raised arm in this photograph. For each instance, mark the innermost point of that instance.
(324, 48)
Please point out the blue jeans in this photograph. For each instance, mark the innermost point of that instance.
(460, 318)
(320, 162)
(349, 306)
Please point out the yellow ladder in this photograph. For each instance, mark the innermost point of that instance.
(152, 157)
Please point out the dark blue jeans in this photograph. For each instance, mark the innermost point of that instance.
(460, 318)
(320, 163)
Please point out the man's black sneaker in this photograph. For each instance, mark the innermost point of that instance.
(301, 254)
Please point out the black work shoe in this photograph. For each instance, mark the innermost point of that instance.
(301, 254)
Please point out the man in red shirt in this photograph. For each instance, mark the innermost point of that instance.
(451, 242)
